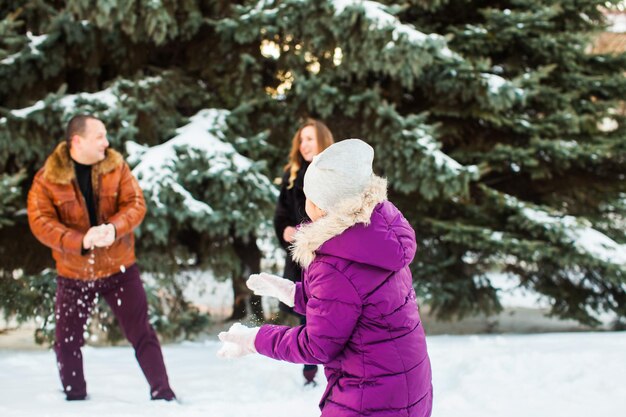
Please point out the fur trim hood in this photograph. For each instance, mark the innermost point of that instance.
(310, 237)
(59, 167)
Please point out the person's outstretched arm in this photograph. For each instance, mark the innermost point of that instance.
(332, 311)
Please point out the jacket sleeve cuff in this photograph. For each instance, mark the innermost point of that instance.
(73, 242)
(119, 225)
(259, 346)
(268, 336)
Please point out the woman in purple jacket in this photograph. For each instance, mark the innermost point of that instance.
(362, 320)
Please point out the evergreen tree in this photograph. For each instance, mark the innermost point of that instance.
(122, 62)
(485, 117)
(204, 201)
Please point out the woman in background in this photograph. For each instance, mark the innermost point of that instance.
(311, 138)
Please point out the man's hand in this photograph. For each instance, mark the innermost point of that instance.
(106, 236)
(92, 234)
(273, 286)
(237, 341)
(99, 236)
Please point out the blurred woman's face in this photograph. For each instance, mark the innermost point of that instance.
(308, 143)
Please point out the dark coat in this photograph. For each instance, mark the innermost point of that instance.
(290, 212)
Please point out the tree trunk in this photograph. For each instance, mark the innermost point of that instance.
(250, 257)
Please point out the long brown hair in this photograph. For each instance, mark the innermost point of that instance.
(324, 140)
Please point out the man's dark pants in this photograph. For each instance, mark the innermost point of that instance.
(125, 294)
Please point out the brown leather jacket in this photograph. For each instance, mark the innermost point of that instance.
(58, 215)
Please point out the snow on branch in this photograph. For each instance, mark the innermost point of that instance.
(109, 97)
(157, 169)
(33, 47)
(68, 102)
(497, 84)
(381, 19)
(585, 238)
(616, 22)
(262, 7)
(430, 148)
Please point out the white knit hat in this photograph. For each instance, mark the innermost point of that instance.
(341, 171)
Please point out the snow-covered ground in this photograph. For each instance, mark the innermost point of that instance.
(551, 375)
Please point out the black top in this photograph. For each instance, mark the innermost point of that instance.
(83, 176)
(290, 212)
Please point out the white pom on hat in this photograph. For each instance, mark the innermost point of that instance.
(341, 171)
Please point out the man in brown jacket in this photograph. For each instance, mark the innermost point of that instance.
(84, 204)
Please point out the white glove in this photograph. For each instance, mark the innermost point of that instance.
(106, 235)
(237, 341)
(88, 240)
(273, 286)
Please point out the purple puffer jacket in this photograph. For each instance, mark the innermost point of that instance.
(362, 322)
